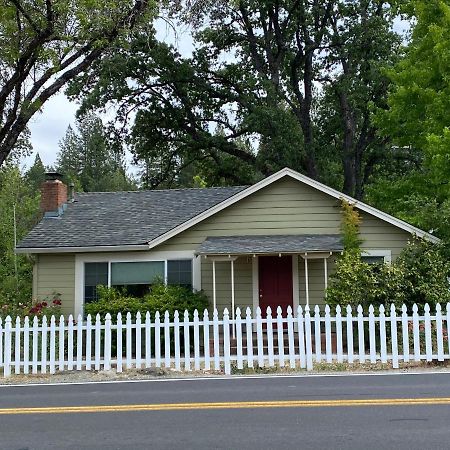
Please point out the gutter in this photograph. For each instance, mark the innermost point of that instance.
(103, 248)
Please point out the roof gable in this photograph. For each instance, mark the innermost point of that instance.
(286, 172)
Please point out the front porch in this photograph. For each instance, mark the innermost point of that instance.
(262, 271)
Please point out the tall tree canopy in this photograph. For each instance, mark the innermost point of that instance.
(46, 43)
(418, 119)
(266, 79)
(91, 160)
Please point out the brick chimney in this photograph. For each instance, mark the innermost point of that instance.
(53, 195)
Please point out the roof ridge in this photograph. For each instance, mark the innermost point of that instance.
(163, 190)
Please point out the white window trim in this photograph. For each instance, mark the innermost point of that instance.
(81, 259)
(386, 254)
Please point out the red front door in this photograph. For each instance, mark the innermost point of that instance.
(275, 283)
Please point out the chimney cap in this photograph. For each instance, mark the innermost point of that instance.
(52, 176)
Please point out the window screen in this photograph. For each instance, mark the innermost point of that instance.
(373, 259)
(127, 273)
(179, 272)
(95, 274)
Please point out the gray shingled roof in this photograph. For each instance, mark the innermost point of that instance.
(239, 245)
(123, 218)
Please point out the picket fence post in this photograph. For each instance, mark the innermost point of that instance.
(148, 341)
(69, 344)
(98, 332)
(7, 356)
(216, 339)
(207, 364)
(361, 340)
(128, 338)
(226, 342)
(107, 351)
(196, 341)
(383, 353)
(428, 342)
(439, 336)
(176, 330)
(301, 337)
(157, 340)
(372, 337)
(166, 340)
(119, 350)
(317, 334)
(61, 355)
(280, 337)
(416, 328)
(309, 358)
(88, 342)
(187, 343)
(290, 327)
(259, 337)
(239, 358)
(17, 346)
(269, 319)
(394, 337)
(339, 349)
(249, 332)
(26, 345)
(138, 341)
(328, 349)
(1, 342)
(79, 341)
(52, 344)
(405, 341)
(349, 319)
(34, 354)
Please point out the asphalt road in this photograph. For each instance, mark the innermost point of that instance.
(253, 413)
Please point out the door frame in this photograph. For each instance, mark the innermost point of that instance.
(295, 283)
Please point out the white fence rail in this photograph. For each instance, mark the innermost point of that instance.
(204, 343)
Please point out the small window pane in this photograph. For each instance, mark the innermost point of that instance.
(179, 272)
(373, 259)
(136, 272)
(95, 274)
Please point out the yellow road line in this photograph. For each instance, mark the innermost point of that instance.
(227, 405)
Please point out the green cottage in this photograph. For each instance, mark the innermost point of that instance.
(270, 244)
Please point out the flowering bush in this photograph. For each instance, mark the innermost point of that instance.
(48, 307)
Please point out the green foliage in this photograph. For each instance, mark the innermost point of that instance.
(245, 103)
(161, 298)
(50, 306)
(419, 275)
(45, 44)
(350, 223)
(15, 286)
(416, 119)
(91, 160)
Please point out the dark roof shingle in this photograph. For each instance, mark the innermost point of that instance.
(123, 218)
(241, 245)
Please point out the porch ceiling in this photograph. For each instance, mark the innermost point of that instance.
(257, 245)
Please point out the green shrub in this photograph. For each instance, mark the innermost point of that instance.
(161, 298)
(419, 275)
(50, 306)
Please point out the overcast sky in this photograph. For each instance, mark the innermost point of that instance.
(48, 127)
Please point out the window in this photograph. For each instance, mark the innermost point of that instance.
(95, 274)
(376, 256)
(136, 277)
(373, 259)
(179, 272)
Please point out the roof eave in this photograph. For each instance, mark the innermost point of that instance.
(92, 249)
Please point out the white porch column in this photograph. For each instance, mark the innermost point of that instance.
(214, 284)
(232, 298)
(325, 270)
(306, 279)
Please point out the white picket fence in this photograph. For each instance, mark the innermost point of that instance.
(202, 343)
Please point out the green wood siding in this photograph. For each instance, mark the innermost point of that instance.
(56, 273)
(242, 282)
(285, 207)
